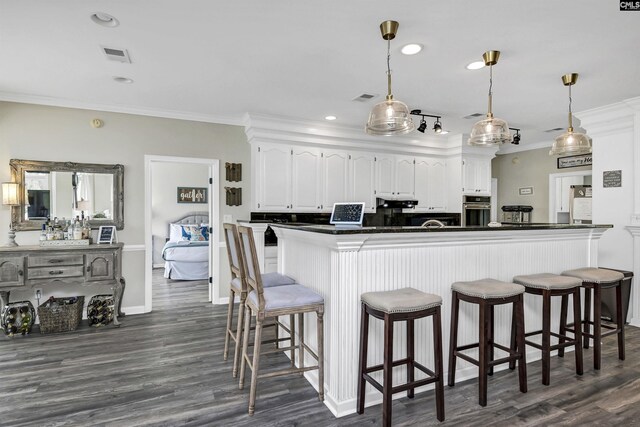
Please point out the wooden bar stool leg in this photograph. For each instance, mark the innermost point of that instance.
(410, 356)
(578, 335)
(227, 334)
(239, 335)
(483, 352)
(587, 317)
(522, 362)
(387, 385)
(597, 329)
(514, 342)
(453, 338)
(320, 335)
(546, 336)
(245, 346)
(301, 341)
(255, 362)
(563, 320)
(364, 344)
(491, 338)
(437, 338)
(292, 328)
(620, 321)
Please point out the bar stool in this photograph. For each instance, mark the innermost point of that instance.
(406, 304)
(265, 303)
(488, 293)
(597, 279)
(552, 285)
(237, 286)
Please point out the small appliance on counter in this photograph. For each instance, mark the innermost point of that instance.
(517, 214)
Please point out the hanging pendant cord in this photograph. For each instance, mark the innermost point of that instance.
(490, 114)
(389, 96)
(570, 116)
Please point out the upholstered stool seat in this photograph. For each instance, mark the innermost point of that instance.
(552, 285)
(406, 304)
(284, 297)
(488, 293)
(598, 279)
(268, 280)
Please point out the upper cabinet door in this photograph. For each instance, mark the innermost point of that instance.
(404, 178)
(422, 184)
(273, 183)
(335, 173)
(476, 176)
(306, 174)
(437, 184)
(386, 176)
(362, 186)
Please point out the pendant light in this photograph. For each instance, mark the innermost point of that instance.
(389, 117)
(570, 142)
(490, 131)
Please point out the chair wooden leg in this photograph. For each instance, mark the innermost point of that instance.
(546, 337)
(453, 338)
(239, 336)
(320, 335)
(578, 334)
(437, 344)
(410, 356)
(227, 333)
(597, 326)
(620, 321)
(387, 385)
(364, 345)
(301, 341)
(292, 341)
(490, 338)
(587, 317)
(256, 366)
(245, 346)
(514, 335)
(483, 324)
(563, 320)
(522, 362)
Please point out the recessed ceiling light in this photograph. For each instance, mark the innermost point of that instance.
(122, 79)
(411, 49)
(104, 19)
(475, 65)
(330, 118)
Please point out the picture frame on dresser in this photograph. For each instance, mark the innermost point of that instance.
(107, 234)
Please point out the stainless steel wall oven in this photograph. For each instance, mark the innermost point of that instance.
(476, 211)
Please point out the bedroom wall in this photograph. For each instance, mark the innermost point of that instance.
(167, 177)
(39, 132)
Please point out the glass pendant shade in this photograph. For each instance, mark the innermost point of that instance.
(490, 131)
(571, 142)
(389, 117)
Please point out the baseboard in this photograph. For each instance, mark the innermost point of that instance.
(135, 309)
(158, 265)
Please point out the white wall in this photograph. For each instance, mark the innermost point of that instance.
(37, 132)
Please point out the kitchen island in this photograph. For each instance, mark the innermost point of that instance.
(341, 264)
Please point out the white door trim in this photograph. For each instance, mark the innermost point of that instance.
(552, 189)
(214, 221)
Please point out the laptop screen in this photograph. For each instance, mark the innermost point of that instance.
(347, 214)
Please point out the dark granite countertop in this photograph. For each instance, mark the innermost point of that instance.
(330, 229)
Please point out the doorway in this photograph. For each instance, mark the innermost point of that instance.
(211, 166)
(559, 187)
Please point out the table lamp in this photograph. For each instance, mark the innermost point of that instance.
(10, 198)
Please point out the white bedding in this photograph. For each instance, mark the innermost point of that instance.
(187, 253)
(186, 260)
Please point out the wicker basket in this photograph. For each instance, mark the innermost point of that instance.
(60, 316)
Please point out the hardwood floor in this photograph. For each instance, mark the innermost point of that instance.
(165, 368)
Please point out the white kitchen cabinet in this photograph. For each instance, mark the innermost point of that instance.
(430, 185)
(395, 177)
(306, 173)
(476, 176)
(335, 178)
(362, 179)
(273, 180)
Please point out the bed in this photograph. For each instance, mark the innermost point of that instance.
(186, 253)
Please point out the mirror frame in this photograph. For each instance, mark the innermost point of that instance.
(19, 167)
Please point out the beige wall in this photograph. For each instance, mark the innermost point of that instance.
(526, 169)
(62, 134)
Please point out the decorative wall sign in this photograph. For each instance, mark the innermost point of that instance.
(525, 191)
(234, 196)
(575, 161)
(612, 178)
(192, 195)
(106, 234)
(233, 172)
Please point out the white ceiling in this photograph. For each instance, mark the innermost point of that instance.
(217, 60)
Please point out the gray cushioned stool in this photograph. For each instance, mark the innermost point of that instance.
(406, 304)
(598, 279)
(552, 285)
(488, 293)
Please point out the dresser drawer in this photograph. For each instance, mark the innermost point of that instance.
(55, 272)
(54, 260)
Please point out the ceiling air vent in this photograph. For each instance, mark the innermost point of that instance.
(364, 97)
(554, 130)
(473, 116)
(115, 54)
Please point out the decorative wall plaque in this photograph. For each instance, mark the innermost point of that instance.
(612, 178)
(575, 161)
(192, 195)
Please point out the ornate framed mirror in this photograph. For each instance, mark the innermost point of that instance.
(66, 190)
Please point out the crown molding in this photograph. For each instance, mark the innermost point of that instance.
(610, 118)
(150, 112)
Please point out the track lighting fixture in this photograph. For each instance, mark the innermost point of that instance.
(516, 137)
(437, 125)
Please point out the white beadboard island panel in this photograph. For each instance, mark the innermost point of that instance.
(341, 265)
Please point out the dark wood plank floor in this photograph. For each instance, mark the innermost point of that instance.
(166, 368)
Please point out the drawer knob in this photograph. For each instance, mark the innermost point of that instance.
(20, 273)
(88, 268)
(55, 261)
(53, 272)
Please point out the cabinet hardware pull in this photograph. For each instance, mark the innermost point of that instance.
(88, 268)
(56, 272)
(55, 261)
(20, 273)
